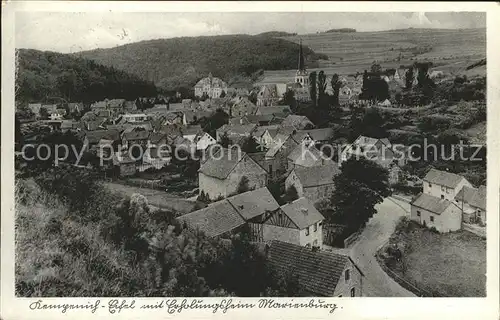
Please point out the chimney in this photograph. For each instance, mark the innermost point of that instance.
(304, 211)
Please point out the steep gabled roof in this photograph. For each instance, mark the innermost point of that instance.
(318, 272)
(136, 135)
(221, 168)
(302, 213)
(443, 178)
(279, 141)
(316, 176)
(472, 196)
(96, 135)
(241, 129)
(296, 121)
(214, 220)
(322, 134)
(431, 203)
(254, 203)
(305, 156)
(274, 110)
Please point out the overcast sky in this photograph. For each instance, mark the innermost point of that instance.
(71, 32)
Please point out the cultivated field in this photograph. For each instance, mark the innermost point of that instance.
(451, 51)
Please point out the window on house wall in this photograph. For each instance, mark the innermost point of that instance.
(432, 218)
(442, 188)
(418, 213)
(353, 292)
(315, 227)
(347, 275)
(442, 196)
(307, 231)
(430, 185)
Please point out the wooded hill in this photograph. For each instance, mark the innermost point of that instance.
(44, 75)
(181, 62)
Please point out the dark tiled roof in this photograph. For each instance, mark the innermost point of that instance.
(302, 212)
(443, 178)
(317, 272)
(318, 134)
(474, 197)
(259, 131)
(221, 168)
(296, 121)
(136, 135)
(479, 199)
(317, 176)
(240, 129)
(254, 203)
(466, 194)
(216, 219)
(281, 110)
(93, 124)
(279, 141)
(96, 135)
(259, 118)
(431, 203)
(156, 137)
(308, 156)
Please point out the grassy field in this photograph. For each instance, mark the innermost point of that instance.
(451, 51)
(450, 265)
(155, 198)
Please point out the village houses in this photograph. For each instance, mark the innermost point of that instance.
(235, 132)
(306, 156)
(210, 86)
(380, 151)
(203, 141)
(297, 222)
(223, 217)
(221, 175)
(314, 183)
(275, 160)
(320, 273)
(440, 204)
(472, 201)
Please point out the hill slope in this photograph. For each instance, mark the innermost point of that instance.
(45, 74)
(450, 51)
(180, 62)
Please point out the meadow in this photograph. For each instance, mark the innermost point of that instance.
(451, 51)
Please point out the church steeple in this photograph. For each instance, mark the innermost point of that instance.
(301, 66)
(301, 76)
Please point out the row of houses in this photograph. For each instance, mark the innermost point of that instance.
(290, 232)
(448, 201)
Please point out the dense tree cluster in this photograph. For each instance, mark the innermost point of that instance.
(359, 187)
(374, 87)
(75, 238)
(43, 76)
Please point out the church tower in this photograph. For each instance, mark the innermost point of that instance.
(301, 76)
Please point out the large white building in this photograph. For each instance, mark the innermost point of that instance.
(211, 86)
